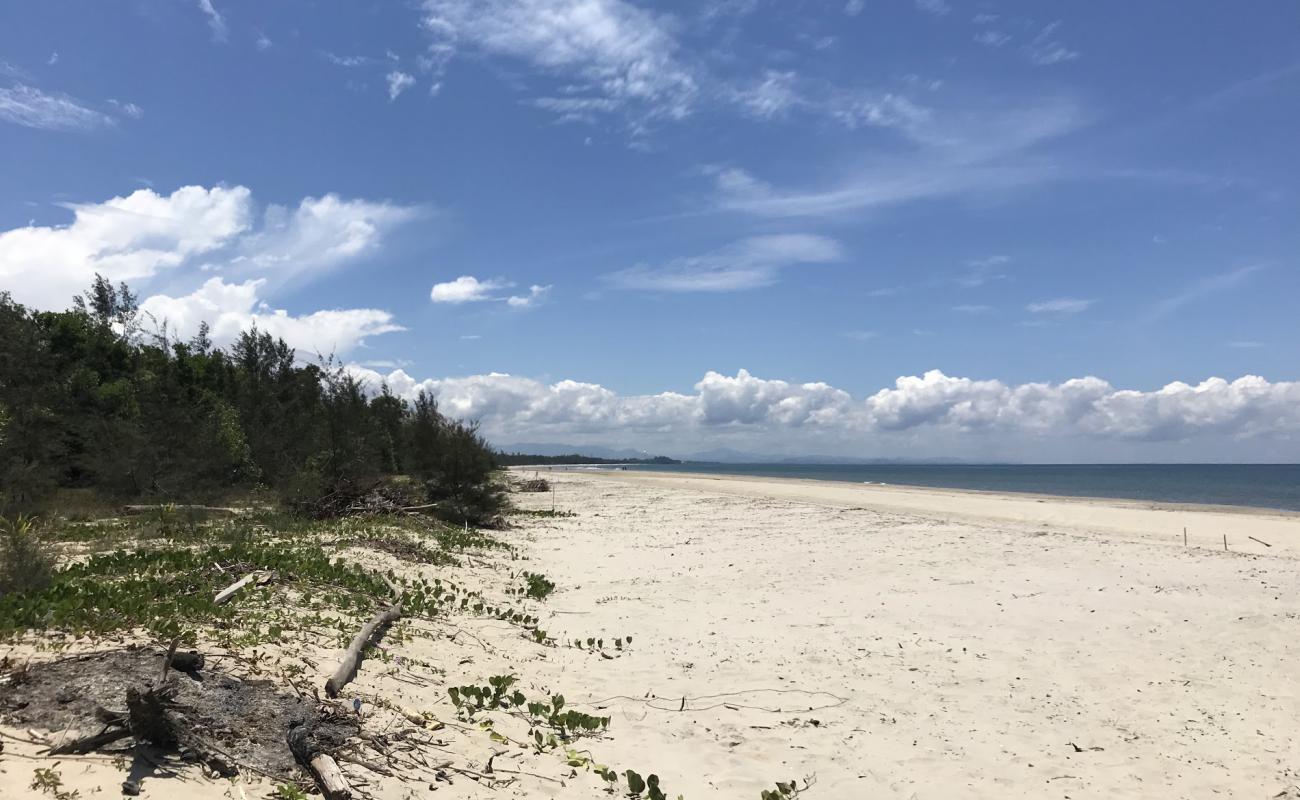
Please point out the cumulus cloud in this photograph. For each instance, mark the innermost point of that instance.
(1082, 409)
(747, 264)
(398, 82)
(1060, 305)
(146, 235)
(229, 308)
(33, 108)
(466, 289)
(606, 49)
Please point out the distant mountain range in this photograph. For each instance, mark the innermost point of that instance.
(722, 455)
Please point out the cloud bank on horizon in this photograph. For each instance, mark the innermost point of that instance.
(934, 410)
(841, 194)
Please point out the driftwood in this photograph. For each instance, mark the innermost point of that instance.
(145, 509)
(225, 594)
(352, 658)
(322, 765)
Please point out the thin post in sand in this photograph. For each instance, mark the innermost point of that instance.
(1225, 542)
(1184, 536)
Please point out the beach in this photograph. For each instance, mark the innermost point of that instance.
(890, 642)
(851, 641)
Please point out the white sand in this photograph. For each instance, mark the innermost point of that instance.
(893, 643)
(971, 637)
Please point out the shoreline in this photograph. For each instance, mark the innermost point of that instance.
(1120, 502)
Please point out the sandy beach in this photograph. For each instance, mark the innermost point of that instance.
(865, 641)
(918, 643)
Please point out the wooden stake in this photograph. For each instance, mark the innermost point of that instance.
(1184, 537)
(1225, 541)
(352, 658)
(1261, 541)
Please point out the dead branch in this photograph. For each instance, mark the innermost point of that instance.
(347, 668)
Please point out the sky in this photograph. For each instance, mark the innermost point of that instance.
(993, 230)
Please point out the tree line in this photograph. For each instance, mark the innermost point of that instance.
(89, 400)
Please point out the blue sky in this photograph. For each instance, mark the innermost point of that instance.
(649, 198)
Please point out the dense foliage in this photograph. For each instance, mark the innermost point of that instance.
(89, 400)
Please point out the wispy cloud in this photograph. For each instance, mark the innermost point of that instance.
(536, 295)
(607, 49)
(967, 308)
(983, 270)
(938, 8)
(1245, 345)
(33, 108)
(860, 336)
(747, 264)
(992, 38)
(1061, 305)
(263, 42)
(215, 21)
(1202, 288)
(938, 153)
(1046, 49)
(347, 61)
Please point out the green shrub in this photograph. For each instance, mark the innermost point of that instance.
(26, 559)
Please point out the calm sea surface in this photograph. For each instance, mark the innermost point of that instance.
(1259, 485)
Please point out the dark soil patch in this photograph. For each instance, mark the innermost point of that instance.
(245, 720)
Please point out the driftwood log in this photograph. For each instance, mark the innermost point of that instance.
(352, 658)
(322, 765)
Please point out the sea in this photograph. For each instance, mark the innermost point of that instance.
(1273, 486)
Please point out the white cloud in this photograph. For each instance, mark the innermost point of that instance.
(347, 61)
(747, 264)
(1204, 287)
(33, 108)
(53, 59)
(263, 42)
(983, 270)
(145, 235)
(230, 308)
(939, 153)
(466, 289)
(992, 38)
(773, 96)
(854, 7)
(398, 82)
(782, 413)
(215, 21)
(936, 7)
(1060, 305)
(973, 308)
(1046, 49)
(609, 48)
(129, 109)
(536, 294)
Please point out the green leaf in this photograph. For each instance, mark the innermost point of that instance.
(635, 783)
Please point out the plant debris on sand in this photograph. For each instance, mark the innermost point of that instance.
(244, 723)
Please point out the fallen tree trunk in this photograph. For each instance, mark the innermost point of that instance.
(352, 658)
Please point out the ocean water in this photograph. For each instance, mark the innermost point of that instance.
(1275, 486)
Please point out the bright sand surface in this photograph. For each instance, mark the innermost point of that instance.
(921, 643)
(885, 642)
